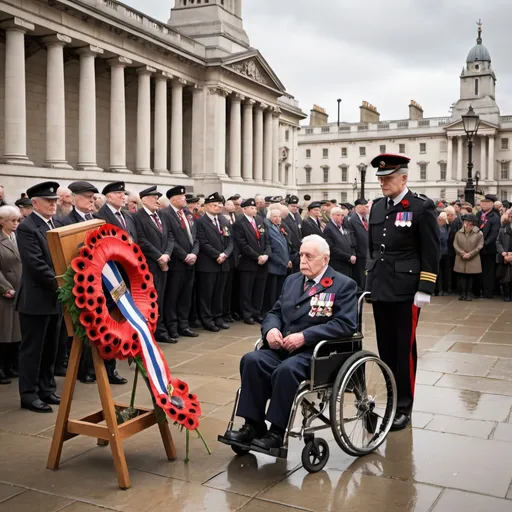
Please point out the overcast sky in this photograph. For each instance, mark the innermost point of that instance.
(386, 53)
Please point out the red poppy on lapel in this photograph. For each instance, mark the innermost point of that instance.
(284, 232)
(326, 282)
(404, 203)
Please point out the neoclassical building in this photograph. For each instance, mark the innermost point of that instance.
(96, 90)
(330, 156)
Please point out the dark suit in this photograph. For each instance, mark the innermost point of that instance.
(342, 247)
(276, 374)
(179, 288)
(39, 310)
(253, 276)
(231, 291)
(361, 242)
(490, 228)
(212, 277)
(310, 227)
(155, 243)
(293, 226)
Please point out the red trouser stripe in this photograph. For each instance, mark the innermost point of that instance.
(412, 372)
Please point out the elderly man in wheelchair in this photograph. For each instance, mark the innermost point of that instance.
(316, 304)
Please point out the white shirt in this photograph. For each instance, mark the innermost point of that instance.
(187, 225)
(252, 220)
(399, 197)
(45, 220)
(340, 229)
(82, 214)
(318, 278)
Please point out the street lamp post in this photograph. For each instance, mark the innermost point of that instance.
(477, 179)
(339, 104)
(471, 122)
(362, 169)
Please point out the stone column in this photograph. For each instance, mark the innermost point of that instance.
(247, 152)
(258, 143)
(215, 133)
(87, 109)
(460, 144)
(268, 142)
(275, 146)
(449, 160)
(117, 115)
(235, 138)
(198, 130)
(160, 135)
(143, 153)
(15, 116)
(483, 158)
(177, 127)
(491, 167)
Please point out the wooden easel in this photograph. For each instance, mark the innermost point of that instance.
(63, 243)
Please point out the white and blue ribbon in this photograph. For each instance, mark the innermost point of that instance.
(155, 364)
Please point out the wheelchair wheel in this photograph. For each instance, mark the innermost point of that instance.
(315, 455)
(239, 450)
(363, 404)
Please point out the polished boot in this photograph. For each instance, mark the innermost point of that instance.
(400, 422)
(246, 434)
(268, 442)
(36, 406)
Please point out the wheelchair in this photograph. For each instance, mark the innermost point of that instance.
(359, 391)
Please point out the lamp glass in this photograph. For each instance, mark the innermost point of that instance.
(471, 122)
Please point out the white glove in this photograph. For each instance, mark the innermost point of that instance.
(421, 299)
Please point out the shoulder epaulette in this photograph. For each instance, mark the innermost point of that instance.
(423, 197)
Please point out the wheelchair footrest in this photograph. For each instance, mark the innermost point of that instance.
(280, 453)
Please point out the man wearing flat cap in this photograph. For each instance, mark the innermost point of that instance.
(403, 239)
(25, 206)
(254, 246)
(313, 225)
(157, 243)
(83, 203)
(39, 310)
(179, 288)
(213, 263)
(358, 224)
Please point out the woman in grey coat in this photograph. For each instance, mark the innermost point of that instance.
(10, 275)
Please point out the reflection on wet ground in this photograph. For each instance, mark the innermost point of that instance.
(457, 456)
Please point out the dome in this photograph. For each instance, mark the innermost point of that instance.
(478, 53)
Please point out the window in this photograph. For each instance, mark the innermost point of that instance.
(442, 169)
(309, 131)
(326, 174)
(308, 175)
(503, 195)
(326, 129)
(344, 174)
(476, 86)
(343, 197)
(504, 170)
(325, 195)
(423, 147)
(362, 151)
(403, 124)
(382, 148)
(401, 148)
(287, 135)
(504, 144)
(423, 171)
(325, 153)
(308, 153)
(344, 152)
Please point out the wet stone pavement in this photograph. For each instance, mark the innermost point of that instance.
(457, 455)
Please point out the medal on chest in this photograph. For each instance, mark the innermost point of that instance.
(403, 220)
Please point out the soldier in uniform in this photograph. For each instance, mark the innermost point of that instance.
(313, 224)
(404, 245)
(293, 224)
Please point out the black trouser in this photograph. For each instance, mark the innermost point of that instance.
(488, 275)
(275, 375)
(235, 294)
(9, 356)
(38, 351)
(178, 299)
(443, 277)
(272, 291)
(62, 350)
(252, 290)
(395, 325)
(228, 292)
(160, 279)
(359, 273)
(210, 289)
(466, 284)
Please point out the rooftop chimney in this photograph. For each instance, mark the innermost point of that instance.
(369, 113)
(415, 111)
(318, 116)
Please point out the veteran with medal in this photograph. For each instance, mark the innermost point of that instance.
(401, 276)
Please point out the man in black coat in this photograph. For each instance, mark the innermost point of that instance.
(230, 307)
(213, 264)
(39, 310)
(358, 224)
(112, 213)
(156, 243)
(179, 288)
(341, 243)
(254, 246)
(313, 225)
(293, 224)
(489, 223)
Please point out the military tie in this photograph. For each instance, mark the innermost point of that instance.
(308, 284)
(121, 219)
(88, 216)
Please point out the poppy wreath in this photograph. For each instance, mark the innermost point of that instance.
(95, 270)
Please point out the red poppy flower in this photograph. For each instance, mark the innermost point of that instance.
(326, 282)
(404, 203)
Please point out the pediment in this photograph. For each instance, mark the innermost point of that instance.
(458, 126)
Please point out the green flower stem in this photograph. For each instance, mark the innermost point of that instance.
(134, 389)
(204, 442)
(187, 444)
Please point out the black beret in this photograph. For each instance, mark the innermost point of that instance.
(116, 186)
(293, 200)
(192, 198)
(323, 202)
(490, 197)
(362, 202)
(81, 187)
(151, 191)
(388, 164)
(334, 201)
(470, 217)
(307, 197)
(276, 199)
(47, 189)
(248, 202)
(347, 206)
(24, 201)
(268, 199)
(314, 204)
(236, 197)
(175, 191)
(214, 198)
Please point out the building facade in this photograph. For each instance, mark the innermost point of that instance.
(96, 90)
(331, 157)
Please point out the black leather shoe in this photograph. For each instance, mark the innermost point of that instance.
(258, 319)
(268, 442)
(60, 371)
(189, 333)
(53, 399)
(249, 321)
(211, 328)
(245, 435)
(11, 373)
(36, 406)
(400, 422)
(222, 325)
(195, 325)
(228, 319)
(88, 379)
(167, 339)
(174, 335)
(115, 378)
(3, 378)
(236, 317)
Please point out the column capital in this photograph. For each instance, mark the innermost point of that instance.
(249, 103)
(261, 106)
(179, 82)
(119, 61)
(219, 90)
(90, 50)
(17, 24)
(163, 75)
(56, 39)
(145, 70)
(276, 112)
(237, 97)
(197, 88)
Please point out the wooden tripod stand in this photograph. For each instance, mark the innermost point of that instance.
(63, 243)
